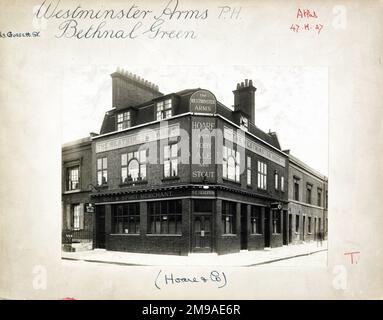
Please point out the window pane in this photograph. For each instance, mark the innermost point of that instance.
(104, 163)
(143, 171)
(124, 159)
(166, 152)
(224, 169)
(99, 163)
(175, 167)
(174, 151)
(142, 156)
(99, 177)
(167, 168)
(124, 174)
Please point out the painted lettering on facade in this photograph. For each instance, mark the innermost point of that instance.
(251, 145)
(143, 136)
(203, 101)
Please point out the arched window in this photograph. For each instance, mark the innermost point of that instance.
(230, 164)
(133, 169)
(133, 166)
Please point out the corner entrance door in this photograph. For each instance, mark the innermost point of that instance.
(243, 227)
(202, 233)
(100, 227)
(267, 228)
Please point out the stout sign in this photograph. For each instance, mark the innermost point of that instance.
(203, 101)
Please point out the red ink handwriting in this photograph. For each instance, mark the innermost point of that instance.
(307, 13)
(351, 254)
(69, 298)
(306, 27)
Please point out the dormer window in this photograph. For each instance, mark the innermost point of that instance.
(123, 120)
(244, 123)
(164, 109)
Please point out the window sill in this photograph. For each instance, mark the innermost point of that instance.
(103, 186)
(124, 234)
(231, 181)
(256, 234)
(132, 183)
(170, 178)
(72, 191)
(163, 235)
(276, 234)
(229, 235)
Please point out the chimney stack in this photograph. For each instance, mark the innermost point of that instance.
(244, 99)
(129, 89)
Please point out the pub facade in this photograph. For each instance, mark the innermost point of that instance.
(181, 173)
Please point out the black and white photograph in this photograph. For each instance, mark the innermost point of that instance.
(179, 150)
(182, 173)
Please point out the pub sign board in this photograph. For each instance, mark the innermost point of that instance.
(203, 101)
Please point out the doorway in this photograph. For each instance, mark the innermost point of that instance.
(303, 228)
(267, 228)
(202, 233)
(284, 231)
(100, 227)
(244, 232)
(290, 227)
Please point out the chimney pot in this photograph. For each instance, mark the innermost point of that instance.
(242, 84)
(246, 82)
(251, 83)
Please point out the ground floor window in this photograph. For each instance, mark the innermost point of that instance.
(78, 216)
(229, 213)
(297, 223)
(256, 220)
(126, 218)
(165, 217)
(276, 222)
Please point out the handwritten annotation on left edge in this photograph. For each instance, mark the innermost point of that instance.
(305, 22)
(216, 278)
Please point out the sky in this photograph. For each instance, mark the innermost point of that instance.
(290, 100)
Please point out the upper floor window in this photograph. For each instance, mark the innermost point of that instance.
(133, 166)
(308, 193)
(244, 123)
(164, 109)
(248, 171)
(73, 178)
(296, 189)
(102, 171)
(282, 183)
(171, 160)
(230, 164)
(262, 175)
(319, 198)
(276, 180)
(123, 120)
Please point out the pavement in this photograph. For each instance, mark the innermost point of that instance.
(243, 258)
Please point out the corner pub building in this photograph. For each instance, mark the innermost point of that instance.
(180, 173)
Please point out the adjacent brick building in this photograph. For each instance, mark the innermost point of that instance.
(181, 173)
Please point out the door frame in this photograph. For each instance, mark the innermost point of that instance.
(193, 235)
(99, 243)
(244, 232)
